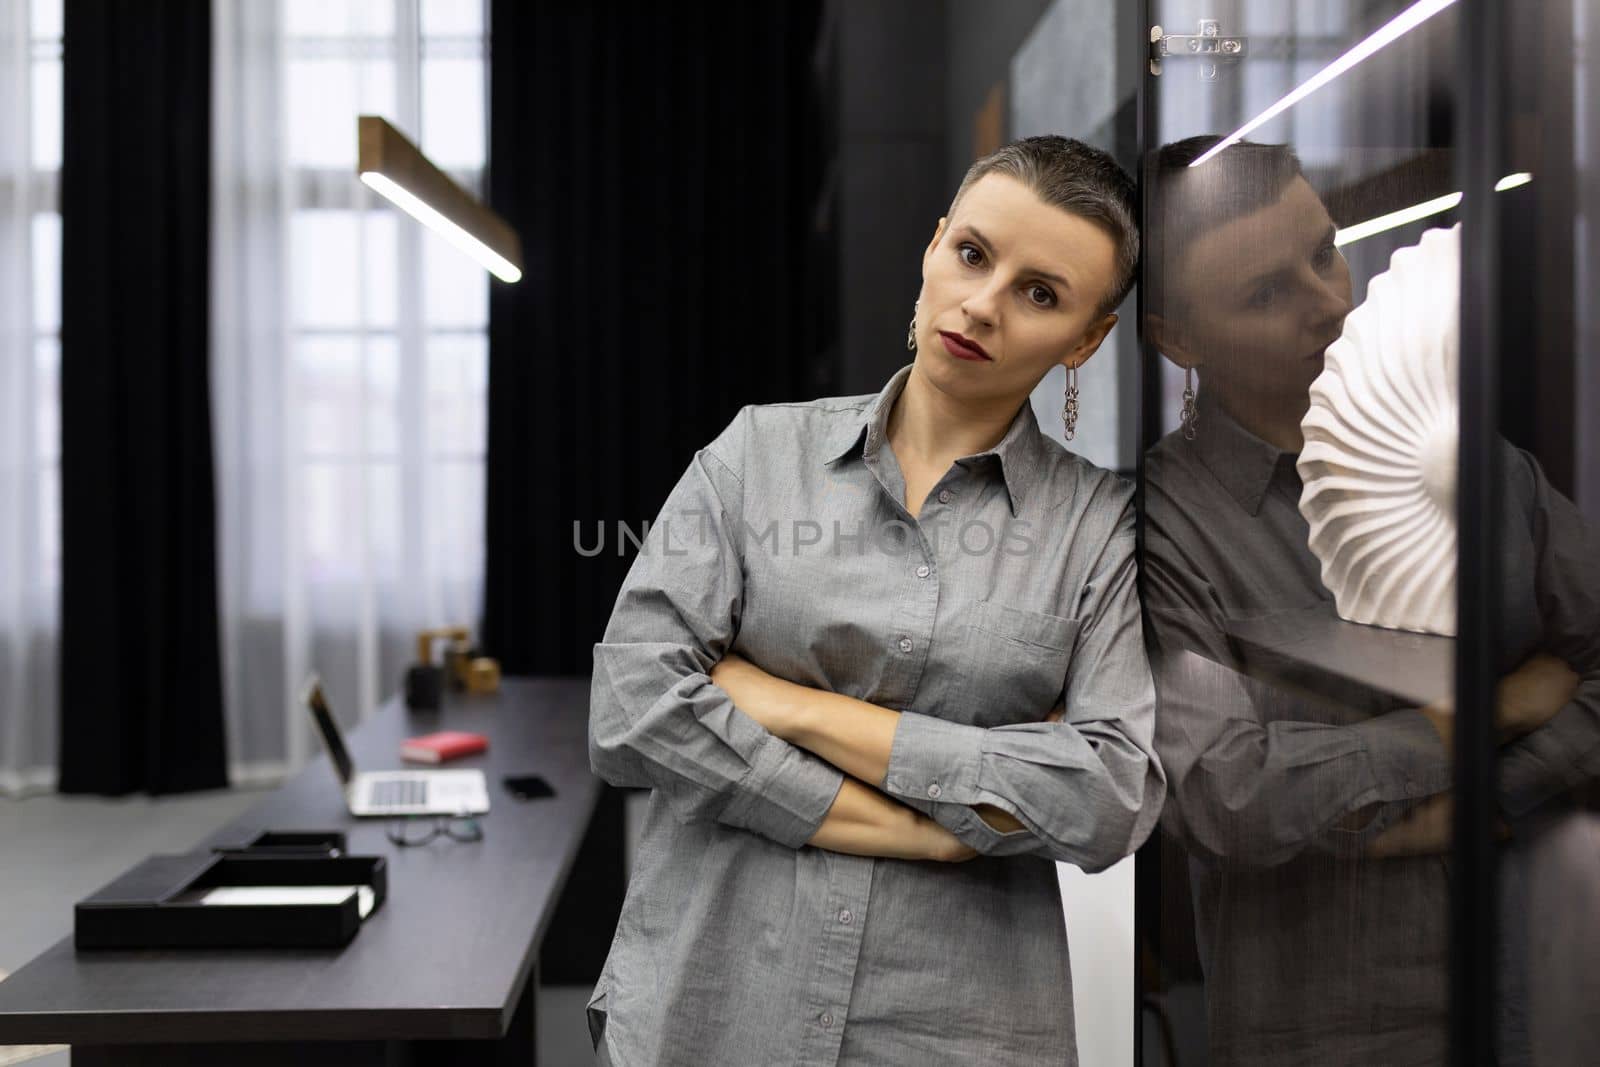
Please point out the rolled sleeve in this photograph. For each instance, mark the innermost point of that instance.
(934, 759)
(787, 796)
(656, 719)
(1561, 754)
(1087, 789)
(1406, 756)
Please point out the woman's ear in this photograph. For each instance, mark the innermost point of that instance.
(1090, 342)
(1170, 342)
(938, 232)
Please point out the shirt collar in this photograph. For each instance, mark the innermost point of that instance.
(1237, 458)
(1018, 452)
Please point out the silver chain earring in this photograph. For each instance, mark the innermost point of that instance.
(911, 331)
(1190, 416)
(1069, 413)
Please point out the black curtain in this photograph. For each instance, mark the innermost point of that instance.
(141, 690)
(665, 170)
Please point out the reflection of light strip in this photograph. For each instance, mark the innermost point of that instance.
(1401, 24)
(487, 257)
(1350, 234)
(1396, 218)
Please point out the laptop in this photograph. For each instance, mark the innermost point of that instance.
(386, 793)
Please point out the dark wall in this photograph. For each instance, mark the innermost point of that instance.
(911, 77)
(662, 167)
(891, 83)
(980, 39)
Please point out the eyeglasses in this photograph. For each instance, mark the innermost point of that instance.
(408, 833)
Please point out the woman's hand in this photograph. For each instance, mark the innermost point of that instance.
(944, 846)
(1427, 829)
(1530, 696)
(864, 822)
(766, 698)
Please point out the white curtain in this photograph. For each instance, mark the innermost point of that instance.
(30, 449)
(348, 358)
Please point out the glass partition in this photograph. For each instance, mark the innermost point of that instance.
(1546, 540)
(1371, 572)
(1300, 297)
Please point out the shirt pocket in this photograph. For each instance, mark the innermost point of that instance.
(1013, 664)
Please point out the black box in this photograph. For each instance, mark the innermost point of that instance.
(320, 843)
(151, 906)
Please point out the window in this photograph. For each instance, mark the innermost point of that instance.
(43, 200)
(389, 322)
(349, 357)
(30, 360)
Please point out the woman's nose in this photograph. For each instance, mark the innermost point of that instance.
(1330, 304)
(980, 305)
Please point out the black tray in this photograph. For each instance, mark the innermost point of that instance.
(145, 908)
(318, 843)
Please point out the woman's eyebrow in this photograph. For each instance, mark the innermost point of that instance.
(1274, 273)
(987, 247)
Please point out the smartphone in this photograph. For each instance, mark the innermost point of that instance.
(528, 786)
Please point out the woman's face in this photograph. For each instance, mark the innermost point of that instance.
(1261, 298)
(1017, 276)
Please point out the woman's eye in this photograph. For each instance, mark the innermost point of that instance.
(1324, 257)
(962, 252)
(1049, 297)
(1264, 297)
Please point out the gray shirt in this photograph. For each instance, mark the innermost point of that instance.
(787, 541)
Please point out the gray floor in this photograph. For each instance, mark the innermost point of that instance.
(58, 849)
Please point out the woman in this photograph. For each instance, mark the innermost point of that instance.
(835, 659)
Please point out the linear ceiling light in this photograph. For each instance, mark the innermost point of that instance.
(1395, 28)
(1351, 234)
(394, 167)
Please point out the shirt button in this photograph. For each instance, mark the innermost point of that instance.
(905, 644)
(827, 1018)
(924, 570)
(845, 916)
(944, 496)
(934, 790)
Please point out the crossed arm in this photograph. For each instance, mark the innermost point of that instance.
(717, 748)
(1525, 700)
(855, 737)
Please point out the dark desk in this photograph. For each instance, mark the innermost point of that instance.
(445, 972)
(1314, 650)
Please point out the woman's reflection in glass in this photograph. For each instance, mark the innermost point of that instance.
(1315, 813)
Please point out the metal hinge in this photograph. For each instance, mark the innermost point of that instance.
(1208, 46)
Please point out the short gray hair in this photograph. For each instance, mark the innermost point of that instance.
(1188, 201)
(1079, 179)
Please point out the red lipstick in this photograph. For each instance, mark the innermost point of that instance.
(964, 348)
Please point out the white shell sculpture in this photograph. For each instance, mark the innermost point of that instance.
(1379, 462)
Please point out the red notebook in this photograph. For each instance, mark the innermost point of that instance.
(448, 745)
